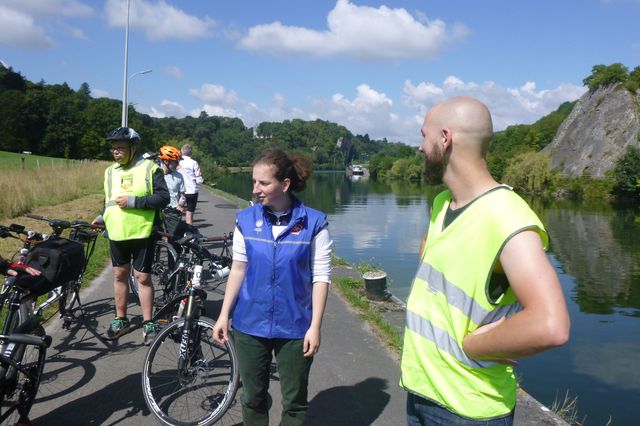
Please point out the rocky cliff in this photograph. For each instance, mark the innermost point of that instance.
(598, 131)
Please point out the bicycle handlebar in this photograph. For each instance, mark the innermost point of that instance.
(196, 239)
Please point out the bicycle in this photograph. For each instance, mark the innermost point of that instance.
(170, 257)
(188, 377)
(23, 342)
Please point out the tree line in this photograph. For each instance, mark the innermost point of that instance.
(55, 120)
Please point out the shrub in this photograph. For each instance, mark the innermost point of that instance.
(530, 172)
(627, 172)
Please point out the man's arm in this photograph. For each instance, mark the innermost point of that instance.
(543, 322)
(160, 197)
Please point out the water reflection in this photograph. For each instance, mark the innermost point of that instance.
(601, 249)
(613, 364)
(595, 249)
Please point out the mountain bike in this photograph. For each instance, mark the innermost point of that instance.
(23, 342)
(171, 260)
(188, 377)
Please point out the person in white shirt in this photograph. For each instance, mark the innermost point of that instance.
(190, 170)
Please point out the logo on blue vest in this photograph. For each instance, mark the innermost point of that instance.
(258, 227)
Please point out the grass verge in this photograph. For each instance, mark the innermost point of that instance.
(84, 208)
(354, 292)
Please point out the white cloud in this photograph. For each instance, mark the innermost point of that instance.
(19, 29)
(167, 108)
(49, 8)
(362, 32)
(159, 21)
(522, 105)
(215, 94)
(99, 93)
(369, 112)
(219, 111)
(29, 23)
(173, 71)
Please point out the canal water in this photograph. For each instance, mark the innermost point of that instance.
(595, 250)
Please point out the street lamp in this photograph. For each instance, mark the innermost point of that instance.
(125, 107)
(126, 72)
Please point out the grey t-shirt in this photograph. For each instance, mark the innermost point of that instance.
(175, 184)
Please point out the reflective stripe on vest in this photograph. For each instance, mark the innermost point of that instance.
(129, 223)
(448, 300)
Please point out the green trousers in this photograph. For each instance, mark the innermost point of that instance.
(255, 355)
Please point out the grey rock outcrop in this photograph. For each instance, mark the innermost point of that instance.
(598, 131)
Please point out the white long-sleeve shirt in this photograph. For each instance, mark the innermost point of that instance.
(320, 252)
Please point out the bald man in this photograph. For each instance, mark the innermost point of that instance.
(485, 292)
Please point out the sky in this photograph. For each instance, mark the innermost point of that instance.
(373, 66)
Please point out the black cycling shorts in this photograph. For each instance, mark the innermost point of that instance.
(137, 252)
(192, 200)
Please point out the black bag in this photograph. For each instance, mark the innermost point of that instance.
(60, 260)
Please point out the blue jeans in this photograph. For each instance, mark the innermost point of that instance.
(422, 412)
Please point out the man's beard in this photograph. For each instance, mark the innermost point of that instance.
(433, 168)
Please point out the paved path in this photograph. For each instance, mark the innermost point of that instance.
(91, 381)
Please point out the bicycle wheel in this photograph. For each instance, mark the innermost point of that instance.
(20, 389)
(204, 391)
(163, 263)
(13, 319)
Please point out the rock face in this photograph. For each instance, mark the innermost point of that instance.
(596, 133)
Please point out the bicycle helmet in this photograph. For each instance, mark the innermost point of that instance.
(123, 134)
(170, 153)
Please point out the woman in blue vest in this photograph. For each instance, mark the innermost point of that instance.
(277, 289)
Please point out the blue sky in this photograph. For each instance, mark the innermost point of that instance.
(372, 66)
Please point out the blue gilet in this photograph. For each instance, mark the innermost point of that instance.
(275, 297)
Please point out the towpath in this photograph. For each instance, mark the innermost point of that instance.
(91, 381)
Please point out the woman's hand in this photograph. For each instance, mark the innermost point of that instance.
(221, 330)
(311, 342)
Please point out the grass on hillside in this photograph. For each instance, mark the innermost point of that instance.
(84, 208)
(13, 160)
(58, 182)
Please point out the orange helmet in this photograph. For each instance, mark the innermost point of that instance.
(170, 153)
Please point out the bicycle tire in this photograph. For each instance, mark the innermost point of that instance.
(12, 321)
(21, 393)
(205, 391)
(163, 263)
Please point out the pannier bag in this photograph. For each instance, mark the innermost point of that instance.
(60, 260)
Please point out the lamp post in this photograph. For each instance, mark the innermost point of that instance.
(126, 71)
(126, 107)
(125, 104)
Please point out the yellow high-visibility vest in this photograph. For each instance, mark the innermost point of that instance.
(129, 223)
(450, 298)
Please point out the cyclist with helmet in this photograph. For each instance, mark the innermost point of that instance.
(170, 159)
(135, 191)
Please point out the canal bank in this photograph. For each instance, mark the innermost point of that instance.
(354, 378)
(529, 411)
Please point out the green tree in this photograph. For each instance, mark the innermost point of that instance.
(605, 75)
(634, 80)
(627, 172)
(407, 169)
(531, 173)
(379, 166)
